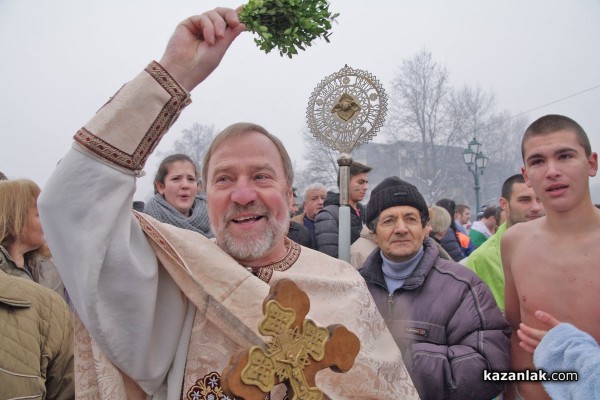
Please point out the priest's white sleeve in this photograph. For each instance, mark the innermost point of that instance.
(130, 306)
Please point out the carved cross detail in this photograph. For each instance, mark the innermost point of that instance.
(298, 350)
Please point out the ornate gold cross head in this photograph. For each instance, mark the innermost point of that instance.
(298, 350)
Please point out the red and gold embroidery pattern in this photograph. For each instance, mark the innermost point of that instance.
(265, 273)
(163, 121)
(157, 237)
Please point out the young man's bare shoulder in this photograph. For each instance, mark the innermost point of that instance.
(595, 220)
(523, 231)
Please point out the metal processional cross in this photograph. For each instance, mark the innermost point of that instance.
(345, 110)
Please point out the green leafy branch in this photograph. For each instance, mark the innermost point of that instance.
(287, 25)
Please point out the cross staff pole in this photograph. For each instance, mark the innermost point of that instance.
(344, 216)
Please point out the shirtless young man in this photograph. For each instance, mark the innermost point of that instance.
(551, 263)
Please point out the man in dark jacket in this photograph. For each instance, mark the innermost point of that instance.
(300, 234)
(442, 316)
(327, 220)
(456, 243)
(314, 201)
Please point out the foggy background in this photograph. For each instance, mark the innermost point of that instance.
(61, 60)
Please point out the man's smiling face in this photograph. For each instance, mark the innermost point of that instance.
(248, 197)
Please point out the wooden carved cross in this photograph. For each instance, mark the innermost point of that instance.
(298, 350)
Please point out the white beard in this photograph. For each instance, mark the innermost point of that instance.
(250, 246)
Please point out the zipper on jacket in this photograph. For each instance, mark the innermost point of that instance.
(390, 306)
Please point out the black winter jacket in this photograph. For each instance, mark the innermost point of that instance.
(450, 243)
(447, 324)
(301, 235)
(327, 223)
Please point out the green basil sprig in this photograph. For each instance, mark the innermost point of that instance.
(287, 25)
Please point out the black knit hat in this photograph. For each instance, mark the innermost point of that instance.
(392, 192)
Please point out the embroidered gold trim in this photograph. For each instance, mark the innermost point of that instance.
(265, 273)
(159, 127)
(151, 231)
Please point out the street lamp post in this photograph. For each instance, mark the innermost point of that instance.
(476, 162)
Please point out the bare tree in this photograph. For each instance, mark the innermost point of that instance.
(430, 123)
(193, 142)
(476, 115)
(417, 106)
(320, 163)
(502, 144)
(471, 110)
(420, 113)
(501, 137)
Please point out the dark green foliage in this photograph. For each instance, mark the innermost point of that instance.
(288, 25)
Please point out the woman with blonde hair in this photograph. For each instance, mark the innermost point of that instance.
(439, 220)
(23, 249)
(438, 224)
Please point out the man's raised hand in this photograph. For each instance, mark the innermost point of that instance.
(198, 45)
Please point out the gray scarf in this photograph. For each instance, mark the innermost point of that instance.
(198, 221)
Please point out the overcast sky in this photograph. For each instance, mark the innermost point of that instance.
(62, 59)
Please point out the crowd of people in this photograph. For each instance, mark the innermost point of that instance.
(99, 301)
